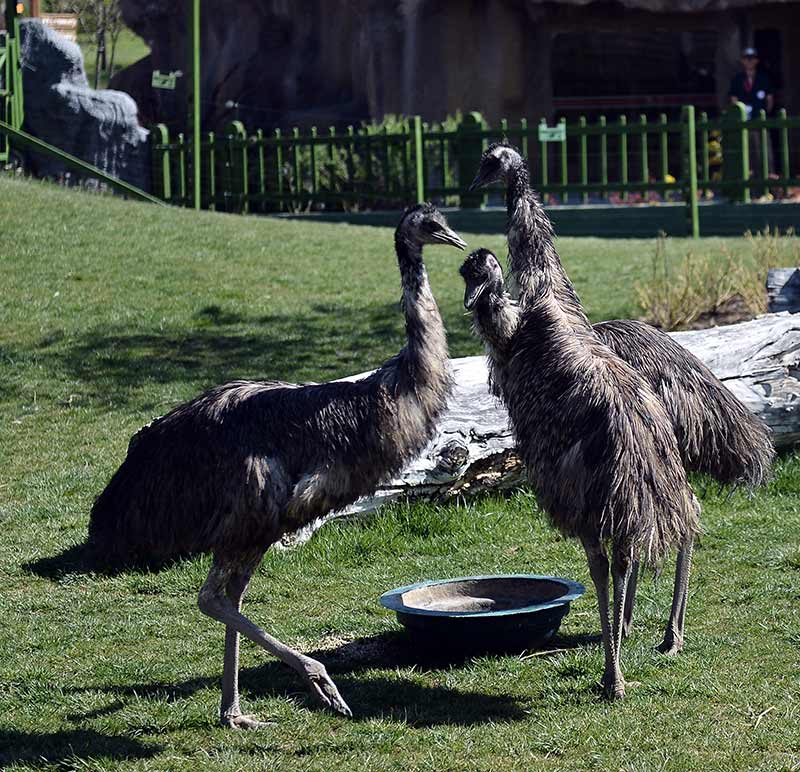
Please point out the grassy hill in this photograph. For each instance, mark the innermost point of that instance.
(112, 312)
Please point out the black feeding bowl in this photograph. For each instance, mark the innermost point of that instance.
(484, 612)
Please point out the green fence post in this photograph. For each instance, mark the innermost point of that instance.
(297, 182)
(603, 155)
(419, 170)
(182, 199)
(645, 159)
(623, 153)
(211, 171)
(764, 137)
(313, 152)
(545, 155)
(784, 134)
(523, 140)
(193, 85)
(584, 158)
(279, 168)
(664, 146)
(705, 157)
(162, 185)
(351, 160)
(262, 170)
(444, 149)
(470, 150)
(564, 163)
(736, 153)
(239, 183)
(388, 178)
(691, 162)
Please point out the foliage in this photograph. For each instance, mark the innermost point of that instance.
(112, 313)
(681, 289)
(359, 172)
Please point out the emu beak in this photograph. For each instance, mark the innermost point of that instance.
(448, 236)
(472, 295)
(478, 182)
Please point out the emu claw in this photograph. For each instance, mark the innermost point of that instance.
(242, 721)
(324, 689)
(670, 645)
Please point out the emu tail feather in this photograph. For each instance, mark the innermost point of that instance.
(717, 435)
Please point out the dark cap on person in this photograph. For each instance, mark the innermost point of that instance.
(749, 53)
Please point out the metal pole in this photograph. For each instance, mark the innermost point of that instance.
(418, 150)
(193, 84)
(694, 215)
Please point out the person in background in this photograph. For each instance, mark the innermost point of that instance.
(753, 88)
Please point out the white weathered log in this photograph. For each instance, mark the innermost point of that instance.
(783, 290)
(759, 361)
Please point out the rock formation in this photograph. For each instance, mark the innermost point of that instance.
(99, 127)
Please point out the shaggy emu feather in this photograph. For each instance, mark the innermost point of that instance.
(716, 433)
(237, 467)
(596, 440)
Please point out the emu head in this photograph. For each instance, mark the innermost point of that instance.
(496, 163)
(425, 224)
(482, 275)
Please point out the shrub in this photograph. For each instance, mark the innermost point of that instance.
(682, 289)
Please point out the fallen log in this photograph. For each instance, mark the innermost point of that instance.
(783, 290)
(473, 451)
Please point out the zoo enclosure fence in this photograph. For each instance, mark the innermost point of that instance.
(389, 166)
(11, 111)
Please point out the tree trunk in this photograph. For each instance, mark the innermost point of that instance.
(473, 451)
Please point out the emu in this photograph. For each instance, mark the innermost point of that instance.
(716, 434)
(234, 469)
(596, 440)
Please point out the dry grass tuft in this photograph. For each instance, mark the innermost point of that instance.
(683, 290)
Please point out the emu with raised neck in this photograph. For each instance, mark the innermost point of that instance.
(234, 469)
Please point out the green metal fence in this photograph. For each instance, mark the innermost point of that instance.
(11, 110)
(622, 161)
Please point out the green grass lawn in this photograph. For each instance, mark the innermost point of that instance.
(112, 312)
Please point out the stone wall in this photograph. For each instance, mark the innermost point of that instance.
(318, 61)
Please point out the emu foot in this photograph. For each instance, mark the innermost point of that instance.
(242, 721)
(671, 644)
(613, 686)
(323, 688)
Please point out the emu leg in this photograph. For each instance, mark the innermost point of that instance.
(630, 599)
(213, 600)
(621, 570)
(613, 683)
(230, 713)
(673, 635)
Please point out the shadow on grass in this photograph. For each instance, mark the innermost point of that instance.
(71, 560)
(369, 694)
(68, 747)
(220, 345)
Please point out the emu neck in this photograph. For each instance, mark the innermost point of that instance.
(495, 320)
(423, 365)
(533, 259)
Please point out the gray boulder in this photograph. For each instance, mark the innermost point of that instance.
(98, 126)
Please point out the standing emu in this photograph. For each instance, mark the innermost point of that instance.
(716, 434)
(242, 464)
(596, 440)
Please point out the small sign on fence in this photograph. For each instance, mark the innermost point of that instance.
(557, 133)
(167, 80)
(65, 24)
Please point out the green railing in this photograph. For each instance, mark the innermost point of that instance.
(622, 161)
(11, 108)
